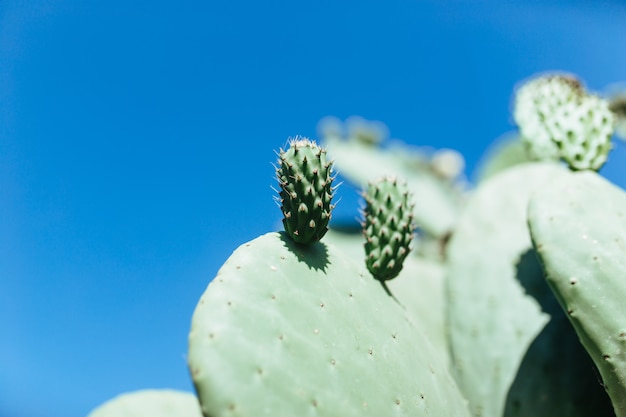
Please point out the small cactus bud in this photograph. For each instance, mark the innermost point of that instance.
(536, 107)
(305, 178)
(558, 119)
(585, 140)
(387, 227)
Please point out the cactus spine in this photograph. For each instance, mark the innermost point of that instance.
(305, 178)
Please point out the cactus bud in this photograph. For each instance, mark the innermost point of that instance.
(387, 227)
(305, 178)
(585, 140)
(537, 104)
(558, 119)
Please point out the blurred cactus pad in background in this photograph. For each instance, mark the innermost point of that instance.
(503, 295)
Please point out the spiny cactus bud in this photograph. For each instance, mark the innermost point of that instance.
(585, 140)
(558, 119)
(387, 227)
(305, 178)
(536, 107)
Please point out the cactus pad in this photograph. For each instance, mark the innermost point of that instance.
(305, 178)
(387, 227)
(497, 319)
(292, 330)
(153, 402)
(578, 227)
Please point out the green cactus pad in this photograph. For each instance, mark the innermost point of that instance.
(419, 287)
(578, 226)
(500, 321)
(289, 330)
(305, 178)
(153, 403)
(387, 227)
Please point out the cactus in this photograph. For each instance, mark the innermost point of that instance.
(558, 119)
(491, 320)
(154, 403)
(466, 322)
(287, 330)
(305, 178)
(387, 227)
(537, 103)
(578, 228)
(506, 337)
(422, 298)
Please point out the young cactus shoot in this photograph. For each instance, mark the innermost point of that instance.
(305, 178)
(559, 119)
(387, 227)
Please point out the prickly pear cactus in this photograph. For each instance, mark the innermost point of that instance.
(305, 178)
(537, 108)
(558, 119)
(419, 287)
(587, 140)
(506, 340)
(578, 227)
(387, 227)
(154, 403)
(292, 330)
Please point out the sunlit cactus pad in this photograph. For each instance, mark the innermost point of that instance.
(288, 330)
(491, 318)
(153, 403)
(578, 225)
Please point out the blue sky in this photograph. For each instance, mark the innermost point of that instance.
(136, 142)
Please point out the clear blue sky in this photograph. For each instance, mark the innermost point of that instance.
(136, 142)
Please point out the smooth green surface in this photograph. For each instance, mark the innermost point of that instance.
(152, 403)
(419, 288)
(491, 318)
(578, 225)
(288, 331)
